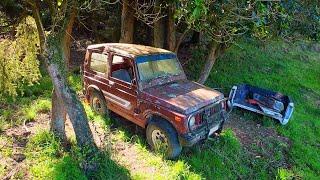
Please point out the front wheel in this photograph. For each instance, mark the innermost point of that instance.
(163, 138)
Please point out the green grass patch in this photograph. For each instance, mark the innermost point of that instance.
(76, 82)
(47, 160)
(38, 106)
(33, 100)
(293, 69)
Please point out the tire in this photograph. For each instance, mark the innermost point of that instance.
(172, 149)
(98, 104)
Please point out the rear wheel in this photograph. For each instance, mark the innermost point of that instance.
(163, 138)
(98, 104)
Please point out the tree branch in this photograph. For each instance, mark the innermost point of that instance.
(37, 18)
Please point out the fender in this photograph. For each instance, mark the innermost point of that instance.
(149, 113)
(91, 87)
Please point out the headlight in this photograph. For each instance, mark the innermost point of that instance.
(192, 121)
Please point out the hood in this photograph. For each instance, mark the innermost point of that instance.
(183, 96)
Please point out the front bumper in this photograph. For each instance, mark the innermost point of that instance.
(191, 138)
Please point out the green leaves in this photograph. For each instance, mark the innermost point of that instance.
(199, 10)
(225, 20)
(18, 59)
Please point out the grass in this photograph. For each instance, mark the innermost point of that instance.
(289, 68)
(47, 160)
(35, 99)
(292, 69)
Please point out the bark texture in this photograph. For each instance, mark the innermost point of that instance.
(70, 101)
(215, 50)
(67, 35)
(158, 29)
(127, 23)
(158, 34)
(171, 35)
(58, 118)
(65, 99)
(181, 38)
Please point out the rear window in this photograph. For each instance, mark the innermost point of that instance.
(99, 62)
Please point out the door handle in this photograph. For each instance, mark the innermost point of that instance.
(111, 83)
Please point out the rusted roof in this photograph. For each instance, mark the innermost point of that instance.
(130, 50)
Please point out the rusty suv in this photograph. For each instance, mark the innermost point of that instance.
(148, 87)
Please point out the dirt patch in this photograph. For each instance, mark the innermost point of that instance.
(260, 141)
(257, 140)
(128, 155)
(19, 135)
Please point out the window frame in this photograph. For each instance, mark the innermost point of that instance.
(130, 61)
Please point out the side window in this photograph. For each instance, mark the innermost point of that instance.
(121, 69)
(99, 62)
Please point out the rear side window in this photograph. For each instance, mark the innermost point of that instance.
(117, 60)
(99, 62)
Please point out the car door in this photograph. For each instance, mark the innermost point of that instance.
(123, 87)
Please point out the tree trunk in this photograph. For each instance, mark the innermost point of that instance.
(70, 101)
(171, 37)
(58, 118)
(51, 54)
(181, 38)
(213, 54)
(195, 39)
(67, 35)
(127, 23)
(158, 34)
(158, 29)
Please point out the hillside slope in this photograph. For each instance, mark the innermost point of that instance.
(294, 70)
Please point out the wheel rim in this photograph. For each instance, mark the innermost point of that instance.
(97, 106)
(159, 140)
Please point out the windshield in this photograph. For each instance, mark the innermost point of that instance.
(158, 66)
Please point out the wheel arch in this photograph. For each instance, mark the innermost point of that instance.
(92, 88)
(154, 116)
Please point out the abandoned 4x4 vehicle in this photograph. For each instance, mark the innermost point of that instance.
(147, 86)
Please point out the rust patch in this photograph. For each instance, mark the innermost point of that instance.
(183, 96)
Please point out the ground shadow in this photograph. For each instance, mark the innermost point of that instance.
(228, 155)
(70, 168)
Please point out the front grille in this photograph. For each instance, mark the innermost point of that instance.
(209, 117)
(212, 115)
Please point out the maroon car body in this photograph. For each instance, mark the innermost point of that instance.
(170, 97)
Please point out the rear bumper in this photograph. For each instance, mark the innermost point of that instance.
(190, 139)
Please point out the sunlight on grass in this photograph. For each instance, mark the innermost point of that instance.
(38, 106)
(6, 151)
(285, 174)
(287, 68)
(162, 168)
(47, 159)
